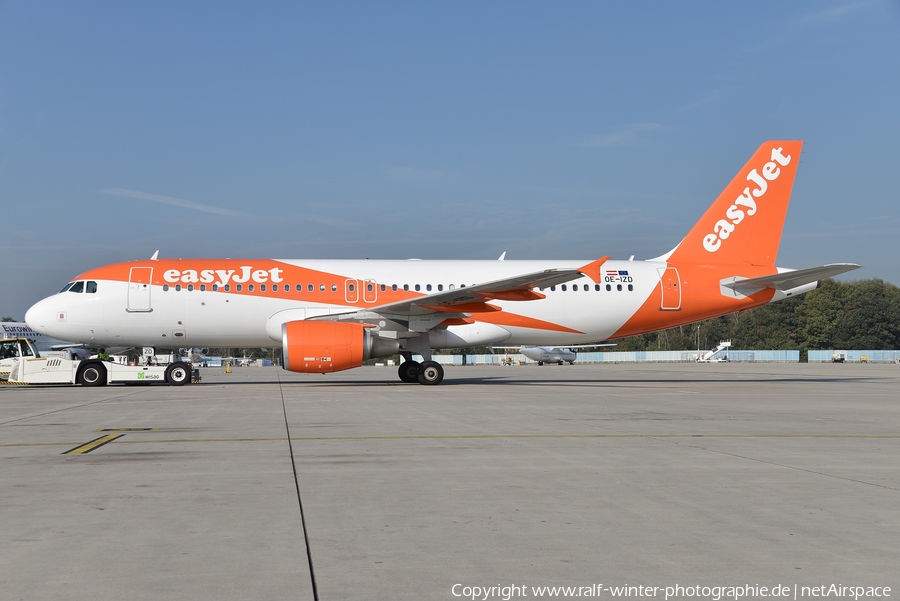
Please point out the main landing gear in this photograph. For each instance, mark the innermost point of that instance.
(428, 372)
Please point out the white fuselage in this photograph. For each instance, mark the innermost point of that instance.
(577, 312)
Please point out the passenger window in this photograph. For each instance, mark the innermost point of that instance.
(91, 287)
(608, 287)
(630, 288)
(553, 288)
(250, 287)
(351, 287)
(451, 287)
(370, 288)
(310, 287)
(77, 287)
(299, 288)
(215, 288)
(321, 287)
(239, 287)
(418, 287)
(177, 287)
(619, 287)
(165, 287)
(597, 287)
(202, 287)
(275, 287)
(383, 287)
(406, 287)
(66, 287)
(227, 287)
(428, 287)
(262, 287)
(190, 287)
(563, 287)
(394, 287)
(334, 287)
(440, 287)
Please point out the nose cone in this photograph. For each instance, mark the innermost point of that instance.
(41, 316)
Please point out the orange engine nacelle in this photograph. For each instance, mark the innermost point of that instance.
(322, 347)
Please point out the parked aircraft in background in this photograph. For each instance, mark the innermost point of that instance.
(331, 315)
(44, 343)
(552, 354)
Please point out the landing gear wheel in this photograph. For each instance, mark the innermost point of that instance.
(540, 362)
(409, 371)
(560, 363)
(178, 374)
(93, 374)
(431, 373)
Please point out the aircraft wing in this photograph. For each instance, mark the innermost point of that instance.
(474, 299)
(792, 279)
(66, 345)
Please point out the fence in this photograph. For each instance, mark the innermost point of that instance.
(637, 357)
(855, 356)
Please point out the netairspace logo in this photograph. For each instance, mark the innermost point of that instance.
(713, 593)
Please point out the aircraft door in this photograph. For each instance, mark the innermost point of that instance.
(139, 281)
(351, 291)
(670, 283)
(370, 292)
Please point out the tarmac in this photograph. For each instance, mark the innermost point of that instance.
(264, 484)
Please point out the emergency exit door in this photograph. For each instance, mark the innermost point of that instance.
(139, 281)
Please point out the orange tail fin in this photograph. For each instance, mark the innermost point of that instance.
(744, 224)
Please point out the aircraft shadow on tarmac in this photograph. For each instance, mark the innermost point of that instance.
(503, 381)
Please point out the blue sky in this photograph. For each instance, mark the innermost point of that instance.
(433, 130)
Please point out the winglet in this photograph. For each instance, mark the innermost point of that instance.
(592, 269)
(155, 256)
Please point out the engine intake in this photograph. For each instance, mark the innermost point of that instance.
(321, 347)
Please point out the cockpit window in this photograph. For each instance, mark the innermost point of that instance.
(91, 287)
(66, 287)
(77, 287)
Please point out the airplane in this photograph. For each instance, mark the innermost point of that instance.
(331, 315)
(552, 354)
(44, 343)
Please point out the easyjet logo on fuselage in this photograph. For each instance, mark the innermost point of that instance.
(747, 200)
(221, 277)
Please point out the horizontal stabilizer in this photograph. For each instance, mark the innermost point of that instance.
(791, 279)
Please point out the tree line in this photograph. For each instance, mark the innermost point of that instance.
(861, 315)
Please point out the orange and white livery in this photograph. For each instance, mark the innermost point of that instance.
(331, 315)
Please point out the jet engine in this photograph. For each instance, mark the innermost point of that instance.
(325, 346)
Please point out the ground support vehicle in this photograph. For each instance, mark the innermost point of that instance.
(20, 364)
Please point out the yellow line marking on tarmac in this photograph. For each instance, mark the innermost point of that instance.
(112, 438)
(93, 444)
